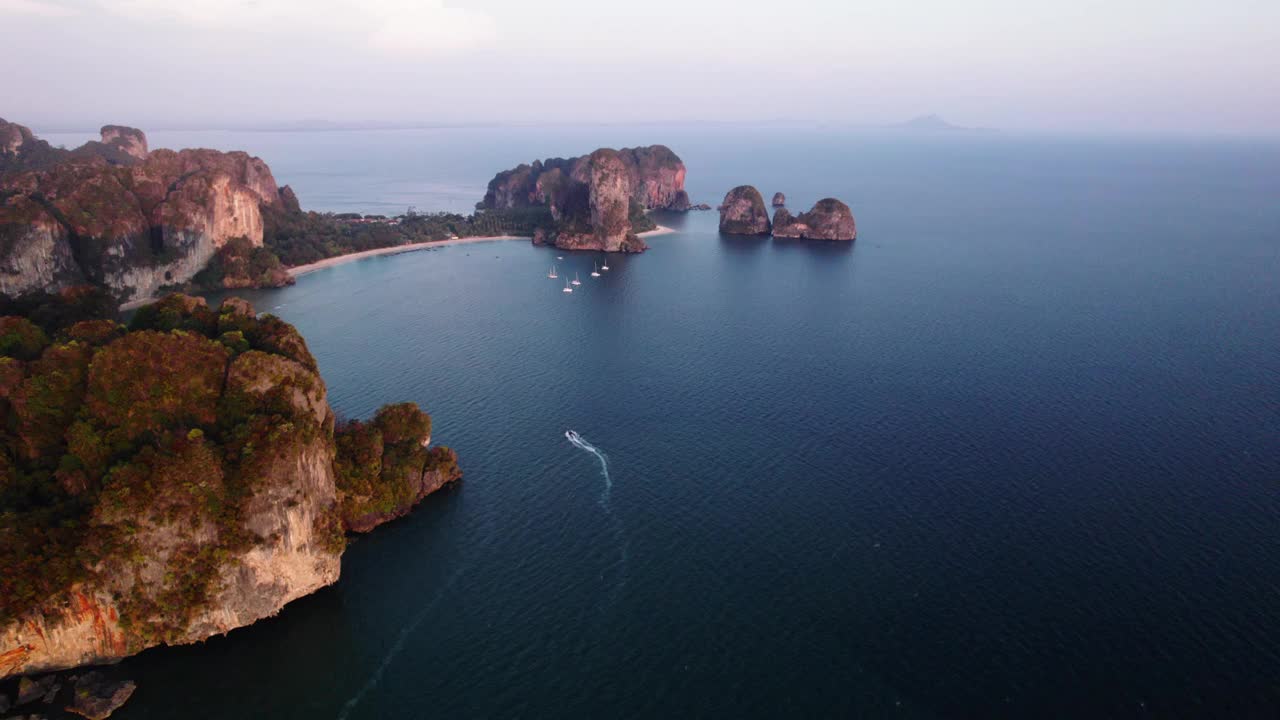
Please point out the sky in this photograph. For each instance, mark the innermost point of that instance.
(1167, 66)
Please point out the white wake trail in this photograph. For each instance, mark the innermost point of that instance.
(624, 550)
(396, 647)
(577, 440)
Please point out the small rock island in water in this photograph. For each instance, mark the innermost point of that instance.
(743, 213)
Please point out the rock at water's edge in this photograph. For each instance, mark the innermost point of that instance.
(96, 697)
(743, 212)
(829, 219)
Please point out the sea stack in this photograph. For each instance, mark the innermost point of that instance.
(743, 212)
(829, 219)
(779, 199)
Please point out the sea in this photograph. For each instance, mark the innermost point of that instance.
(1015, 452)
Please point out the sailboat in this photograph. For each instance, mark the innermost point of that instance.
(566, 286)
(595, 272)
(576, 281)
(553, 274)
(605, 266)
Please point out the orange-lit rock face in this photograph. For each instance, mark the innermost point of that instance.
(200, 472)
(134, 227)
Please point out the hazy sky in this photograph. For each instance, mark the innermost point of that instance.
(1162, 65)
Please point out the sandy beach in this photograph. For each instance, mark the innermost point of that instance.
(300, 270)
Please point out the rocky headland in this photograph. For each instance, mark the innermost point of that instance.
(177, 478)
(115, 214)
(596, 201)
(743, 212)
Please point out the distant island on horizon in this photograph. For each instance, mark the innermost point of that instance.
(930, 122)
(933, 123)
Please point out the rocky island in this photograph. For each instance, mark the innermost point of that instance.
(829, 219)
(596, 201)
(743, 213)
(177, 478)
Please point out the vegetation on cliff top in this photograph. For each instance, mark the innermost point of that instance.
(114, 436)
(381, 464)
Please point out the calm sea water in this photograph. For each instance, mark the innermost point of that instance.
(1013, 453)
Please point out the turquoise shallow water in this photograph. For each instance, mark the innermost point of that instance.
(1012, 453)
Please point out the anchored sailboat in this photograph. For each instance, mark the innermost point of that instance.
(576, 281)
(553, 274)
(566, 286)
(605, 266)
(595, 271)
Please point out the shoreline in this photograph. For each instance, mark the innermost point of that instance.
(298, 271)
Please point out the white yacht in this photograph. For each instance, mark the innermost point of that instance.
(576, 281)
(566, 286)
(553, 274)
(595, 271)
(605, 266)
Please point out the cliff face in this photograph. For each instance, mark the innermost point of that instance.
(173, 482)
(743, 212)
(655, 176)
(829, 219)
(130, 141)
(150, 220)
(595, 202)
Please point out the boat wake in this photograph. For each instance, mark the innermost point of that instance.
(606, 494)
(397, 646)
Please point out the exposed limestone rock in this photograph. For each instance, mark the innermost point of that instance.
(655, 176)
(31, 689)
(829, 219)
(130, 141)
(96, 697)
(12, 137)
(148, 221)
(223, 506)
(610, 200)
(779, 199)
(743, 212)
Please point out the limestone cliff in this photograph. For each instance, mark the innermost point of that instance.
(655, 176)
(120, 216)
(594, 202)
(743, 212)
(173, 481)
(829, 219)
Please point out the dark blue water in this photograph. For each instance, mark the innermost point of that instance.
(1013, 453)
